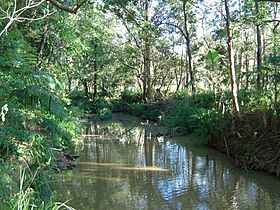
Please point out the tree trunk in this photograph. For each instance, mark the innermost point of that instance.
(259, 48)
(234, 89)
(179, 78)
(275, 63)
(69, 83)
(188, 42)
(187, 69)
(146, 55)
(264, 75)
(42, 46)
(50, 104)
(94, 79)
(240, 67)
(247, 64)
(85, 83)
(147, 69)
(247, 70)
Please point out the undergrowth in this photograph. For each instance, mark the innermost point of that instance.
(28, 137)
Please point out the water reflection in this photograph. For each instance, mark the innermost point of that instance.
(124, 165)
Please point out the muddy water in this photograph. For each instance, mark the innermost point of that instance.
(127, 165)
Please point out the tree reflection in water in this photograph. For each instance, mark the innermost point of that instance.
(124, 166)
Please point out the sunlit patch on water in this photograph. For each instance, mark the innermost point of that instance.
(124, 167)
(148, 168)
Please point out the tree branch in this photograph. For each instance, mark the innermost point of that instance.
(179, 28)
(277, 1)
(276, 25)
(15, 14)
(73, 9)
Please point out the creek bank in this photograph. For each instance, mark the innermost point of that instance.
(64, 160)
(251, 143)
(156, 128)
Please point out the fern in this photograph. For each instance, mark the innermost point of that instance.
(35, 96)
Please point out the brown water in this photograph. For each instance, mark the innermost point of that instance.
(127, 166)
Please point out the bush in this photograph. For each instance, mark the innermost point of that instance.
(120, 106)
(202, 100)
(188, 111)
(78, 99)
(211, 123)
(178, 113)
(104, 114)
(130, 97)
(101, 104)
(182, 94)
(152, 111)
(136, 109)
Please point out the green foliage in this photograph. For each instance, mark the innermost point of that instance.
(179, 113)
(103, 109)
(130, 102)
(119, 106)
(89, 47)
(153, 111)
(37, 121)
(189, 110)
(101, 104)
(78, 99)
(6, 184)
(212, 56)
(16, 53)
(27, 197)
(104, 113)
(182, 94)
(130, 96)
(137, 109)
(31, 140)
(211, 123)
(256, 100)
(150, 111)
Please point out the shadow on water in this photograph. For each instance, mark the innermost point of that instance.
(126, 165)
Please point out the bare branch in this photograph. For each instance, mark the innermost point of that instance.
(271, 21)
(179, 28)
(277, 1)
(29, 6)
(73, 9)
(21, 19)
(15, 14)
(2, 10)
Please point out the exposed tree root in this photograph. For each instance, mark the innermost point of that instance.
(255, 145)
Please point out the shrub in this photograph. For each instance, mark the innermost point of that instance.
(104, 113)
(130, 97)
(178, 113)
(136, 109)
(101, 104)
(152, 111)
(188, 110)
(202, 100)
(79, 100)
(211, 123)
(120, 106)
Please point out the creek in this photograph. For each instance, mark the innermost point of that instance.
(127, 165)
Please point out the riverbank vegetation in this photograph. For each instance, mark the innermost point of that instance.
(211, 67)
